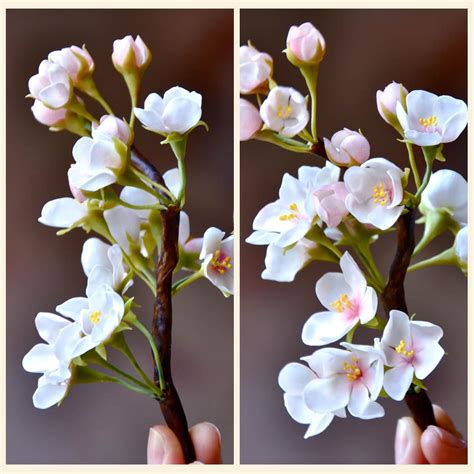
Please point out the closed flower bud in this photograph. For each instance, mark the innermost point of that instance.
(347, 148)
(255, 70)
(130, 54)
(47, 116)
(112, 127)
(76, 61)
(305, 45)
(250, 121)
(387, 103)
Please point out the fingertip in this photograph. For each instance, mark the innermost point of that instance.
(443, 420)
(442, 447)
(407, 442)
(163, 446)
(206, 439)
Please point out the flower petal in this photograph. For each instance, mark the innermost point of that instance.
(326, 327)
(327, 394)
(62, 212)
(397, 380)
(48, 326)
(294, 377)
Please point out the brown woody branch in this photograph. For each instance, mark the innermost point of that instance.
(393, 297)
(170, 403)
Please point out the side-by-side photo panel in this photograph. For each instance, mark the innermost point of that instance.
(120, 244)
(353, 164)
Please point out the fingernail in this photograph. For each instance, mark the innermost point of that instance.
(445, 437)
(156, 447)
(401, 440)
(216, 429)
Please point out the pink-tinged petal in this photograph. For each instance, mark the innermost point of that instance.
(397, 380)
(294, 377)
(62, 212)
(352, 274)
(368, 306)
(250, 121)
(318, 424)
(372, 378)
(40, 358)
(330, 287)
(327, 394)
(397, 329)
(326, 327)
(48, 395)
(397, 188)
(359, 399)
(48, 326)
(426, 360)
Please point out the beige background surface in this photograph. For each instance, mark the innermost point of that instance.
(107, 424)
(365, 51)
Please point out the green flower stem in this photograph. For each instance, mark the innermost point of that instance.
(179, 150)
(429, 152)
(179, 285)
(448, 257)
(133, 177)
(88, 86)
(139, 208)
(154, 349)
(305, 135)
(78, 108)
(283, 142)
(310, 74)
(158, 186)
(259, 100)
(414, 168)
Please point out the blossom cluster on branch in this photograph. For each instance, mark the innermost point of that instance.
(335, 213)
(115, 196)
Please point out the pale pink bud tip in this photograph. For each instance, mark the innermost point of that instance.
(250, 121)
(111, 127)
(47, 116)
(306, 43)
(124, 46)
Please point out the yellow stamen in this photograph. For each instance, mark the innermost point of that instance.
(284, 112)
(292, 215)
(428, 121)
(380, 195)
(95, 317)
(341, 304)
(352, 370)
(401, 349)
(219, 263)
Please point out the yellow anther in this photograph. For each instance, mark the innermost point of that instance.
(428, 121)
(95, 317)
(292, 215)
(400, 349)
(352, 370)
(380, 195)
(284, 112)
(341, 304)
(220, 262)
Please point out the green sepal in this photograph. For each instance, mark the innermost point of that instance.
(78, 361)
(383, 393)
(100, 349)
(439, 154)
(130, 317)
(123, 326)
(419, 385)
(405, 177)
(86, 375)
(377, 322)
(350, 334)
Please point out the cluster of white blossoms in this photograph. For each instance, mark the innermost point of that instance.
(351, 202)
(128, 221)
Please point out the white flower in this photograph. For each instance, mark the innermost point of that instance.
(124, 225)
(51, 85)
(63, 212)
(97, 161)
(348, 300)
(255, 69)
(52, 359)
(111, 127)
(287, 220)
(431, 120)
(103, 265)
(218, 259)
(347, 147)
(375, 192)
(446, 189)
(283, 264)
(461, 245)
(410, 348)
(97, 317)
(178, 111)
(284, 111)
(293, 379)
(351, 379)
(76, 61)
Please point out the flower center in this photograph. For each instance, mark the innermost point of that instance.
(401, 349)
(221, 262)
(428, 122)
(380, 194)
(284, 112)
(352, 370)
(292, 215)
(341, 304)
(95, 317)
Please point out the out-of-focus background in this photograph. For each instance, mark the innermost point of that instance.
(366, 49)
(106, 423)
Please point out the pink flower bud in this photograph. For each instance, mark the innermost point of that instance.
(76, 61)
(250, 121)
(128, 50)
(76, 192)
(112, 127)
(47, 116)
(347, 148)
(387, 102)
(305, 44)
(255, 70)
(330, 203)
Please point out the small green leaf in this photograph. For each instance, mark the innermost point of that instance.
(418, 384)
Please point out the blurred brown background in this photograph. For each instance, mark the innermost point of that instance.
(106, 423)
(366, 49)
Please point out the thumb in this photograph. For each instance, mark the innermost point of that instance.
(441, 447)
